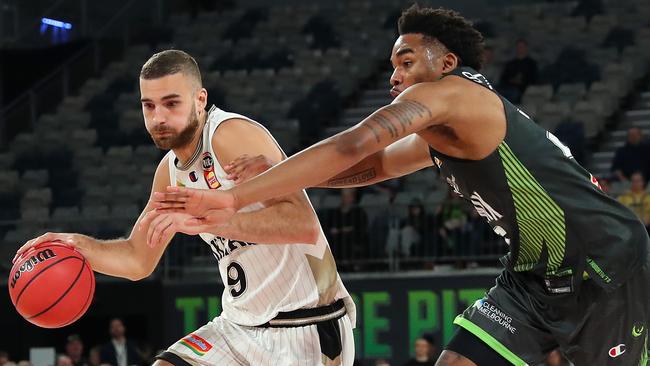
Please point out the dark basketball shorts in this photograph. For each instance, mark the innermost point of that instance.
(590, 327)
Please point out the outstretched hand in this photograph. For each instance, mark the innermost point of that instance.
(204, 207)
(246, 167)
(162, 226)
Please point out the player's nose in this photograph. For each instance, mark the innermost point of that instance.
(396, 78)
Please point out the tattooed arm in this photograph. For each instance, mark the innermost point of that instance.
(417, 108)
(403, 157)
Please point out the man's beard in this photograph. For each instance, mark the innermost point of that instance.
(176, 140)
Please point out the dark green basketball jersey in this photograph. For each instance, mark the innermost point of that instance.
(550, 210)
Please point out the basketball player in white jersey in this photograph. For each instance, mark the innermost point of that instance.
(283, 303)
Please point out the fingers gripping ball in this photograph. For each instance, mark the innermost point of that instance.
(51, 285)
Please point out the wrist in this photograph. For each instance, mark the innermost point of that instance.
(234, 199)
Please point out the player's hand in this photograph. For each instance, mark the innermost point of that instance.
(162, 226)
(76, 241)
(246, 167)
(199, 203)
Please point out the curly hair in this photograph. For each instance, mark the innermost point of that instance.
(447, 27)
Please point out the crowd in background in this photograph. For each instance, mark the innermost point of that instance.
(117, 351)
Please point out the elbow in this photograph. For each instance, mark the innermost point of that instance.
(311, 234)
(348, 145)
(139, 273)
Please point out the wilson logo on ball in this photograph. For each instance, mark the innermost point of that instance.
(28, 266)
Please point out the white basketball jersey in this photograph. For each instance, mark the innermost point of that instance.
(260, 279)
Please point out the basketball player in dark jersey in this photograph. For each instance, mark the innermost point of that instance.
(576, 276)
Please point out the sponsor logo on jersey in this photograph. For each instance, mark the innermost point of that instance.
(222, 247)
(594, 181)
(478, 78)
(207, 162)
(437, 161)
(193, 176)
(196, 344)
(452, 183)
(32, 262)
(483, 209)
(637, 330)
(494, 314)
(617, 350)
(211, 179)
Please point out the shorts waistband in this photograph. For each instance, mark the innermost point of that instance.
(303, 317)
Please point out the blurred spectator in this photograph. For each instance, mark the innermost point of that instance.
(63, 360)
(94, 358)
(384, 234)
(489, 69)
(452, 217)
(605, 185)
(422, 354)
(119, 351)
(433, 350)
(4, 357)
(381, 362)
(637, 198)
(347, 227)
(413, 233)
(24, 363)
(518, 73)
(588, 8)
(10, 363)
(631, 157)
(74, 349)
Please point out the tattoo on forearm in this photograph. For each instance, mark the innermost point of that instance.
(356, 178)
(397, 115)
(374, 131)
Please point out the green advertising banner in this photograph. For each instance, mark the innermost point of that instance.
(392, 310)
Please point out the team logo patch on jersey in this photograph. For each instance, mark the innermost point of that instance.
(207, 162)
(196, 344)
(193, 176)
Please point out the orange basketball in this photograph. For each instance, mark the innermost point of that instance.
(51, 285)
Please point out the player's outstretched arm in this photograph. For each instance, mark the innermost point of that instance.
(417, 108)
(403, 157)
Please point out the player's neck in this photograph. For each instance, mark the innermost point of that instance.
(185, 153)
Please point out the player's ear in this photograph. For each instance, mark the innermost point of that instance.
(449, 62)
(201, 99)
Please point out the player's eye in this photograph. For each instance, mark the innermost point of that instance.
(407, 63)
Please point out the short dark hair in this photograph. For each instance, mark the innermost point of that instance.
(447, 27)
(170, 62)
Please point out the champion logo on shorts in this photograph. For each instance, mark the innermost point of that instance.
(196, 344)
(617, 350)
